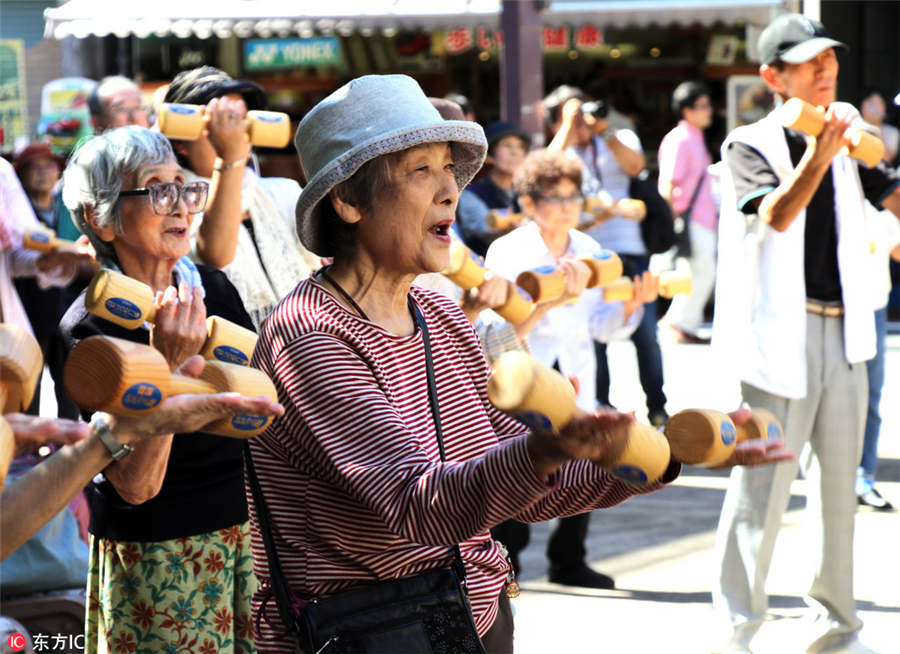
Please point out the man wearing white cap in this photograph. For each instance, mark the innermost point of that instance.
(795, 319)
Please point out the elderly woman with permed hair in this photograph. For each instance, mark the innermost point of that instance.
(170, 562)
(362, 492)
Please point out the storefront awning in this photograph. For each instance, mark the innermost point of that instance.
(265, 18)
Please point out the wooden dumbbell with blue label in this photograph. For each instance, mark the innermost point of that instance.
(129, 302)
(544, 400)
(125, 378)
(704, 437)
(44, 240)
(269, 129)
(464, 271)
(549, 282)
(21, 362)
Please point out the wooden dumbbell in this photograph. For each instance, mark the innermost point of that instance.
(548, 282)
(129, 302)
(670, 284)
(269, 129)
(800, 115)
(603, 209)
(131, 379)
(704, 437)
(465, 272)
(504, 219)
(21, 362)
(44, 240)
(544, 400)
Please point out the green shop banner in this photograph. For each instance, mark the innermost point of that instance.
(272, 54)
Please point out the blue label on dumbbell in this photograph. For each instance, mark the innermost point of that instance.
(269, 118)
(535, 420)
(728, 434)
(39, 237)
(544, 270)
(603, 255)
(141, 397)
(629, 473)
(182, 109)
(773, 432)
(119, 306)
(246, 422)
(230, 354)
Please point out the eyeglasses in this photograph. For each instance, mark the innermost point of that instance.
(130, 111)
(165, 196)
(559, 200)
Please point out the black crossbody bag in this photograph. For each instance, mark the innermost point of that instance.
(428, 612)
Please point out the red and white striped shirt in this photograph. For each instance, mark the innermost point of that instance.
(352, 474)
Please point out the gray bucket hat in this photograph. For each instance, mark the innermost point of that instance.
(364, 119)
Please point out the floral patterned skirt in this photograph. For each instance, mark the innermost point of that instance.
(182, 596)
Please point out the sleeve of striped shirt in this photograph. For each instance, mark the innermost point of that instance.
(581, 486)
(341, 424)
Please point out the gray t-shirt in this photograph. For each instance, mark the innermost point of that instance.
(601, 171)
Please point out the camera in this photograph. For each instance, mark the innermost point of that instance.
(596, 108)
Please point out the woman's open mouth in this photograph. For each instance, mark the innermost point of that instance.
(177, 232)
(442, 230)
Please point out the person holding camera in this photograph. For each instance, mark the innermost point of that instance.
(610, 158)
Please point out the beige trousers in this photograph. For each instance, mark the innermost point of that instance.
(825, 430)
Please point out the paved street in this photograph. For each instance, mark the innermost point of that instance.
(659, 548)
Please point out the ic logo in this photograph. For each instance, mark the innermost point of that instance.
(16, 642)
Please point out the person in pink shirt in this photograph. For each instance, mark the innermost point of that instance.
(685, 183)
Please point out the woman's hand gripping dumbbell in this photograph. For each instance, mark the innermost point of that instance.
(130, 379)
(270, 129)
(129, 303)
(544, 400)
(548, 283)
(712, 439)
(466, 273)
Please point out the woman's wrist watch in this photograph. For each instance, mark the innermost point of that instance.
(100, 425)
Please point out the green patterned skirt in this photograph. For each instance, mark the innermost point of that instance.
(182, 596)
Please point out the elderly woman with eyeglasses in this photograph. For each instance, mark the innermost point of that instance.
(170, 566)
(360, 488)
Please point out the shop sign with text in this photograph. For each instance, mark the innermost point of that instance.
(553, 39)
(273, 54)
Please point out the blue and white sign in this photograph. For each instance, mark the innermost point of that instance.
(274, 54)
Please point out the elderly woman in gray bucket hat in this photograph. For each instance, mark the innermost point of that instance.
(356, 487)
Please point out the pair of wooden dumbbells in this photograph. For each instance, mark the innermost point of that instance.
(800, 115)
(270, 129)
(544, 400)
(129, 303)
(548, 282)
(131, 379)
(21, 362)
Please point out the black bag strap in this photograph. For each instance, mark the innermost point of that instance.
(458, 564)
(284, 597)
(687, 212)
